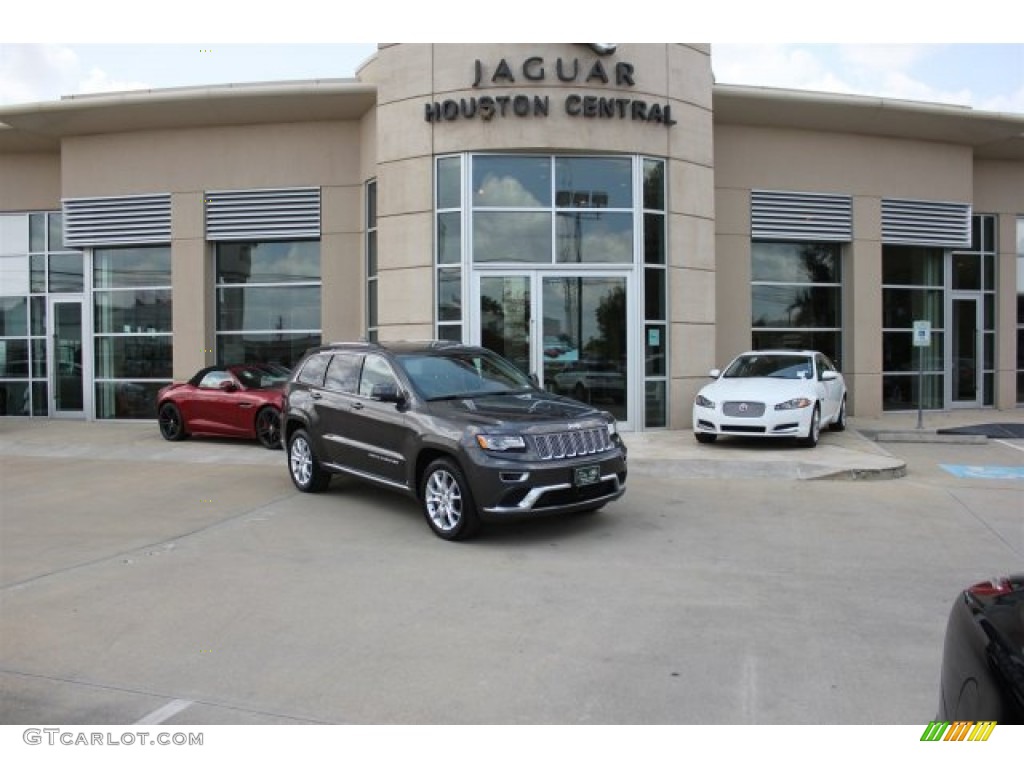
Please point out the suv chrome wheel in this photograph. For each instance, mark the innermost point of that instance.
(447, 503)
(305, 470)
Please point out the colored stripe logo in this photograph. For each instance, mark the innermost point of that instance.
(961, 730)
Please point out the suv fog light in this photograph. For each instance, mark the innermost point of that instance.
(514, 477)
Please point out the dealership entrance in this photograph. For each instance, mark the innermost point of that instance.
(572, 330)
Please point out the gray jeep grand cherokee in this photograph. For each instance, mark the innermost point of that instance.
(457, 427)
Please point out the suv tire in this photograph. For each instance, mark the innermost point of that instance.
(447, 502)
(303, 465)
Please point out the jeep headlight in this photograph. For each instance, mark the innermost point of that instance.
(501, 442)
(791, 405)
(703, 402)
(613, 428)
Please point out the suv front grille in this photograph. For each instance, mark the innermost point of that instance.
(579, 442)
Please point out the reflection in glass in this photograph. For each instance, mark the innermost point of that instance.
(13, 316)
(906, 265)
(654, 294)
(39, 358)
(900, 392)
(40, 398)
(14, 358)
(900, 354)
(38, 312)
(655, 405)
(134, 357)
(449, 182)
(66, 273)
(449, 238)
(37, 272)
(505, 318)
(795, 262)
(67, 356)
(966, 272)
(269, 262)
(964, 339)
(511, 182)
(37, 232)
(585, 340)
(513, 237)
(284, 348)
(594, 238)
(654, 238)
(793, 306)
(127, 399)
(654, 185)
(132, 267)
(902, 306)
(138, 311)
(593, 182)
(826, 342)
(449, 294)
(277, 308)
(14, 398)
(55, 221)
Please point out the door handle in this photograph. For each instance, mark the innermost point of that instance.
(315, 395)
(357, 406)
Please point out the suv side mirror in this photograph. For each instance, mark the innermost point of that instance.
(388, 393)
(829, 375)
(534, 380)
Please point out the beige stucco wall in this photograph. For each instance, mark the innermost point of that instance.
(189, 162)
(29, 181)
(866, 167)
(409, 77)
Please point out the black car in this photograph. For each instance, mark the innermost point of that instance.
(983, 655)
(457, 427)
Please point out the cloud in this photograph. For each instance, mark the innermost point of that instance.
(31, 73)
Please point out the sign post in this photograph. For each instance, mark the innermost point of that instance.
(922, 339)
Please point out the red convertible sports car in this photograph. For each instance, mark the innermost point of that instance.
(225, 401)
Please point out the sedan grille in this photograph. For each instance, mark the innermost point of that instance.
(743, 409)
(581, 442)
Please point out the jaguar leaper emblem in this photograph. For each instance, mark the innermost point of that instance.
(602, 49)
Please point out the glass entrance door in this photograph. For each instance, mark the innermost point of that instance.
(67, 357)
(573, 331)
(964, 352)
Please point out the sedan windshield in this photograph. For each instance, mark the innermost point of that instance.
(463, 374)
(770, 366)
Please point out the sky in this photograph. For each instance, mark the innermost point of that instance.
(953, 57)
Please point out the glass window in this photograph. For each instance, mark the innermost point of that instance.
(371, 259)
(15, 398)
(13, 316)
(449, 238)
(273, 347)
(966, 272)
(66, 273)
(37, 232)
(449, 182)
(511, 182)
(268, 262)
(904, 265)
(134, 357)
(131, 267)
(593, 182)
(795, 262)
(793, 306)
(654, 185)
(342, 373)
(127, 399)
(313, 370)
(449, 294)
(512, 237)
(287, 308)
(376, 373)
(654, 238)
(654, 294)
(594, 238)
(133, 311)
(14, 358)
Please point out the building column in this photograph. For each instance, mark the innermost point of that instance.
(862, 310)
(192, 291)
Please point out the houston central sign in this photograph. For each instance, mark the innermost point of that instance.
(537, 69)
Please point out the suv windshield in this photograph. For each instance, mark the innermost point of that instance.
(771, 366)
(462, 374)
(261, 375)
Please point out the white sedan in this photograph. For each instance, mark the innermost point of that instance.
(772, 393)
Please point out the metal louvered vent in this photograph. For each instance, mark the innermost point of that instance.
(117, 220)
(924, 222)
(263, 214)
(800, 216)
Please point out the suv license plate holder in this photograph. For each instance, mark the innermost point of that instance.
(587, 475)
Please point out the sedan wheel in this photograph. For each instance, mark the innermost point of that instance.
(172, 425)
(840, 423)
(307, 474)
(447, 503)
(268, 428)
(813, 430)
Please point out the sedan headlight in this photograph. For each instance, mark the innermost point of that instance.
(501, 442)
(703, 402)
(791, 405)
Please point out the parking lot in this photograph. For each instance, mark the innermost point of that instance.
(190, 583)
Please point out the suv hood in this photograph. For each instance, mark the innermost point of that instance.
(527, 407)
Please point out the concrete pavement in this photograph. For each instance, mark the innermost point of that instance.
(857, 453)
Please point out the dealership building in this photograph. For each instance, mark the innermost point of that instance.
(607, 217)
